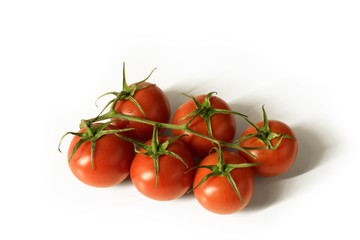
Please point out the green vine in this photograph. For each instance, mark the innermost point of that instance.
(156, 149)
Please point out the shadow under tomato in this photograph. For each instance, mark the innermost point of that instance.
(271, 190)
(187, 196)
(125, 183)
(310, 154)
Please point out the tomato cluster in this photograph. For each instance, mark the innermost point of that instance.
(127, 140)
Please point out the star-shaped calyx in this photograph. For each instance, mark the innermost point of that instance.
(127, 93)
(92, 132)
(264, 134)
(156, 149)
(206, 111)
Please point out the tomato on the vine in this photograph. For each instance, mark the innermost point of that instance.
(173, 178)
(223, 126)
(153, 103)
(216, 194)
(111, 160)
(277, 160)
(164, 168)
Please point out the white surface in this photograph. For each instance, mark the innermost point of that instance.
(300, 58)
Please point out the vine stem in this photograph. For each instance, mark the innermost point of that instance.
(112, 114)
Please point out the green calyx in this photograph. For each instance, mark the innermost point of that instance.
(265, 134)
(206, 112)
(223, 169)
(127, 93)
(156, 149)
(91, 134)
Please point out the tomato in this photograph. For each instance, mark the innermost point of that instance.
(275, 162)
(155, 105)
(216, 194)
(223, 125)
(112, 159)
(173, 178)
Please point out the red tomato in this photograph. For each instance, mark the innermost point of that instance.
(216, 194)
(112, 159)
(155, 105)
(223, 125)
(173, 182)
(276, 161)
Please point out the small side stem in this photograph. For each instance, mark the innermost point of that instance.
(221, 162)
(155, 139)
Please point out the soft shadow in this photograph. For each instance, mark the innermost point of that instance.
(125, 183)
(267, 192)
(310, 154)
(271, 190)
(187, 196)
(252, 111)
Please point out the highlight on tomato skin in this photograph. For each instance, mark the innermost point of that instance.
(111, 162)
(216, 194)
(275, 161)
(223, 125)
(174, 179)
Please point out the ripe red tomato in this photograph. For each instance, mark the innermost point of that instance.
(216, 194)
(173, 182)
(112, 159)
(276, 161)
(223, 125)
(155, 105)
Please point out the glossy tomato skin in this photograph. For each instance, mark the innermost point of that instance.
(154, 103)
(112, 159)
(216, 194)
(223, 125)
(173, 182)
(275, 162)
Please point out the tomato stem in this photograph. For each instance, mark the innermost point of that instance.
(220, 163)
(184, 127)
(155, 139)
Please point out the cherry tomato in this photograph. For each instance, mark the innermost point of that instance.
(216, 194)
(155, 105)
(112, 159)
(223, 125)
(275, 162)
(173, 182)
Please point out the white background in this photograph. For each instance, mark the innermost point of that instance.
(299, 58)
